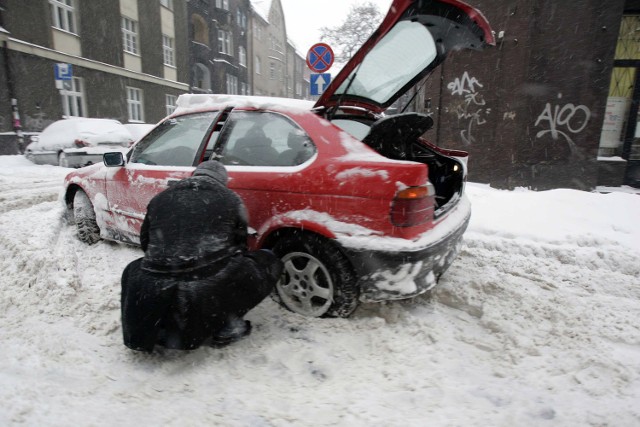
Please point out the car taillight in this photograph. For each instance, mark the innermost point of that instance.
(80, 143)
(412, 206)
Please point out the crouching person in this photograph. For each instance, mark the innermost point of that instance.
(197, 279)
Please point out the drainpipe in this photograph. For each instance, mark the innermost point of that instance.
(17, 125)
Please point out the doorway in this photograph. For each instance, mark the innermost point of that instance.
(620, 137)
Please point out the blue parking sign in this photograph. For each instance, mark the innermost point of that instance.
(319, 83)
(63, 71)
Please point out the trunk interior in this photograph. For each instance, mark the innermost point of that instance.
(399, 137)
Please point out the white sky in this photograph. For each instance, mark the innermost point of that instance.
(304, 18)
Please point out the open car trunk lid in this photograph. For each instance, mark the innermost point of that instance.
(413, 39)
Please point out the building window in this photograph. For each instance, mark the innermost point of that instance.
(130, 35)
(244, 89)
(224, 42)
(135, 104)
(167, 3)
(258, 65)
(170, 103)
(200, 29)
(242, 56)
(241, 19)
(167, 51)
(232, 84)
(62, 13)
(73, 99)
(222, 4)
(272, 71)
(201, 77)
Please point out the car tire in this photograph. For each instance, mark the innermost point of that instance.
(62, 160)
(85, 218)
(317, 280)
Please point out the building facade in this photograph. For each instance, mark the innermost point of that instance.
(130, 59)
(124, 59)
(298, 74)
(554, 104)
(219, 36)
(269, 48)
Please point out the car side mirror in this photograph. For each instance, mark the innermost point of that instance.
(114, 159)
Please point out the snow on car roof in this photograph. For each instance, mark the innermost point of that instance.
(191, 102)
(92, 130)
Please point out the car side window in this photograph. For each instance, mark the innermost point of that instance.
(175, 142)
(264, 139)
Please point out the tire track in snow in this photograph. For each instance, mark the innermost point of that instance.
(44, 274)
(543, 312)
(15, 195)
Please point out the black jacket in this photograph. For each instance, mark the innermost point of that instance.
(194, 223)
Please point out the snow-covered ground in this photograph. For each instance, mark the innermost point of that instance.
(536, 323)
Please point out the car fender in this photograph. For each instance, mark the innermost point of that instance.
(267, 233)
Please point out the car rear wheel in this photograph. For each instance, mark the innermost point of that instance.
(85, 218)
(62, 160)
(317, 280)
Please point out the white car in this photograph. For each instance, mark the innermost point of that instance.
(78, 141)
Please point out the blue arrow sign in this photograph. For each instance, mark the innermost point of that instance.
(319, 83)
(63, 71)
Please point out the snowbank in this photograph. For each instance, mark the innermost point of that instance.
(536, 323)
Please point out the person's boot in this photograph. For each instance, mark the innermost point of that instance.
(235, 328)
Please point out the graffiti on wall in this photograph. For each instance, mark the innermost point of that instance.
(472, 107)
(563, 121)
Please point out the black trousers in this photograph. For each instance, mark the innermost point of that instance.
(182, 310)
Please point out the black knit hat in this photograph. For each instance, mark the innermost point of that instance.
(213, 169)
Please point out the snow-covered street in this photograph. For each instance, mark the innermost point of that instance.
(536, 323)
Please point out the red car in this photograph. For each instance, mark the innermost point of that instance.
(356, 203)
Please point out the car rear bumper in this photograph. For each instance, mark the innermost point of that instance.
(398, 274)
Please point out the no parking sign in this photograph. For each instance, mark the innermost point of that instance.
(320, 57)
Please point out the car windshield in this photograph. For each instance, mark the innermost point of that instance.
(378, 77)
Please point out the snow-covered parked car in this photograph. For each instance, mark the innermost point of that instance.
(358, 205)
(138, 130)
(78, 141)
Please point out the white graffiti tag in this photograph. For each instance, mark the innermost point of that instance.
(571, 118)
(473, 106)
(463, 85)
